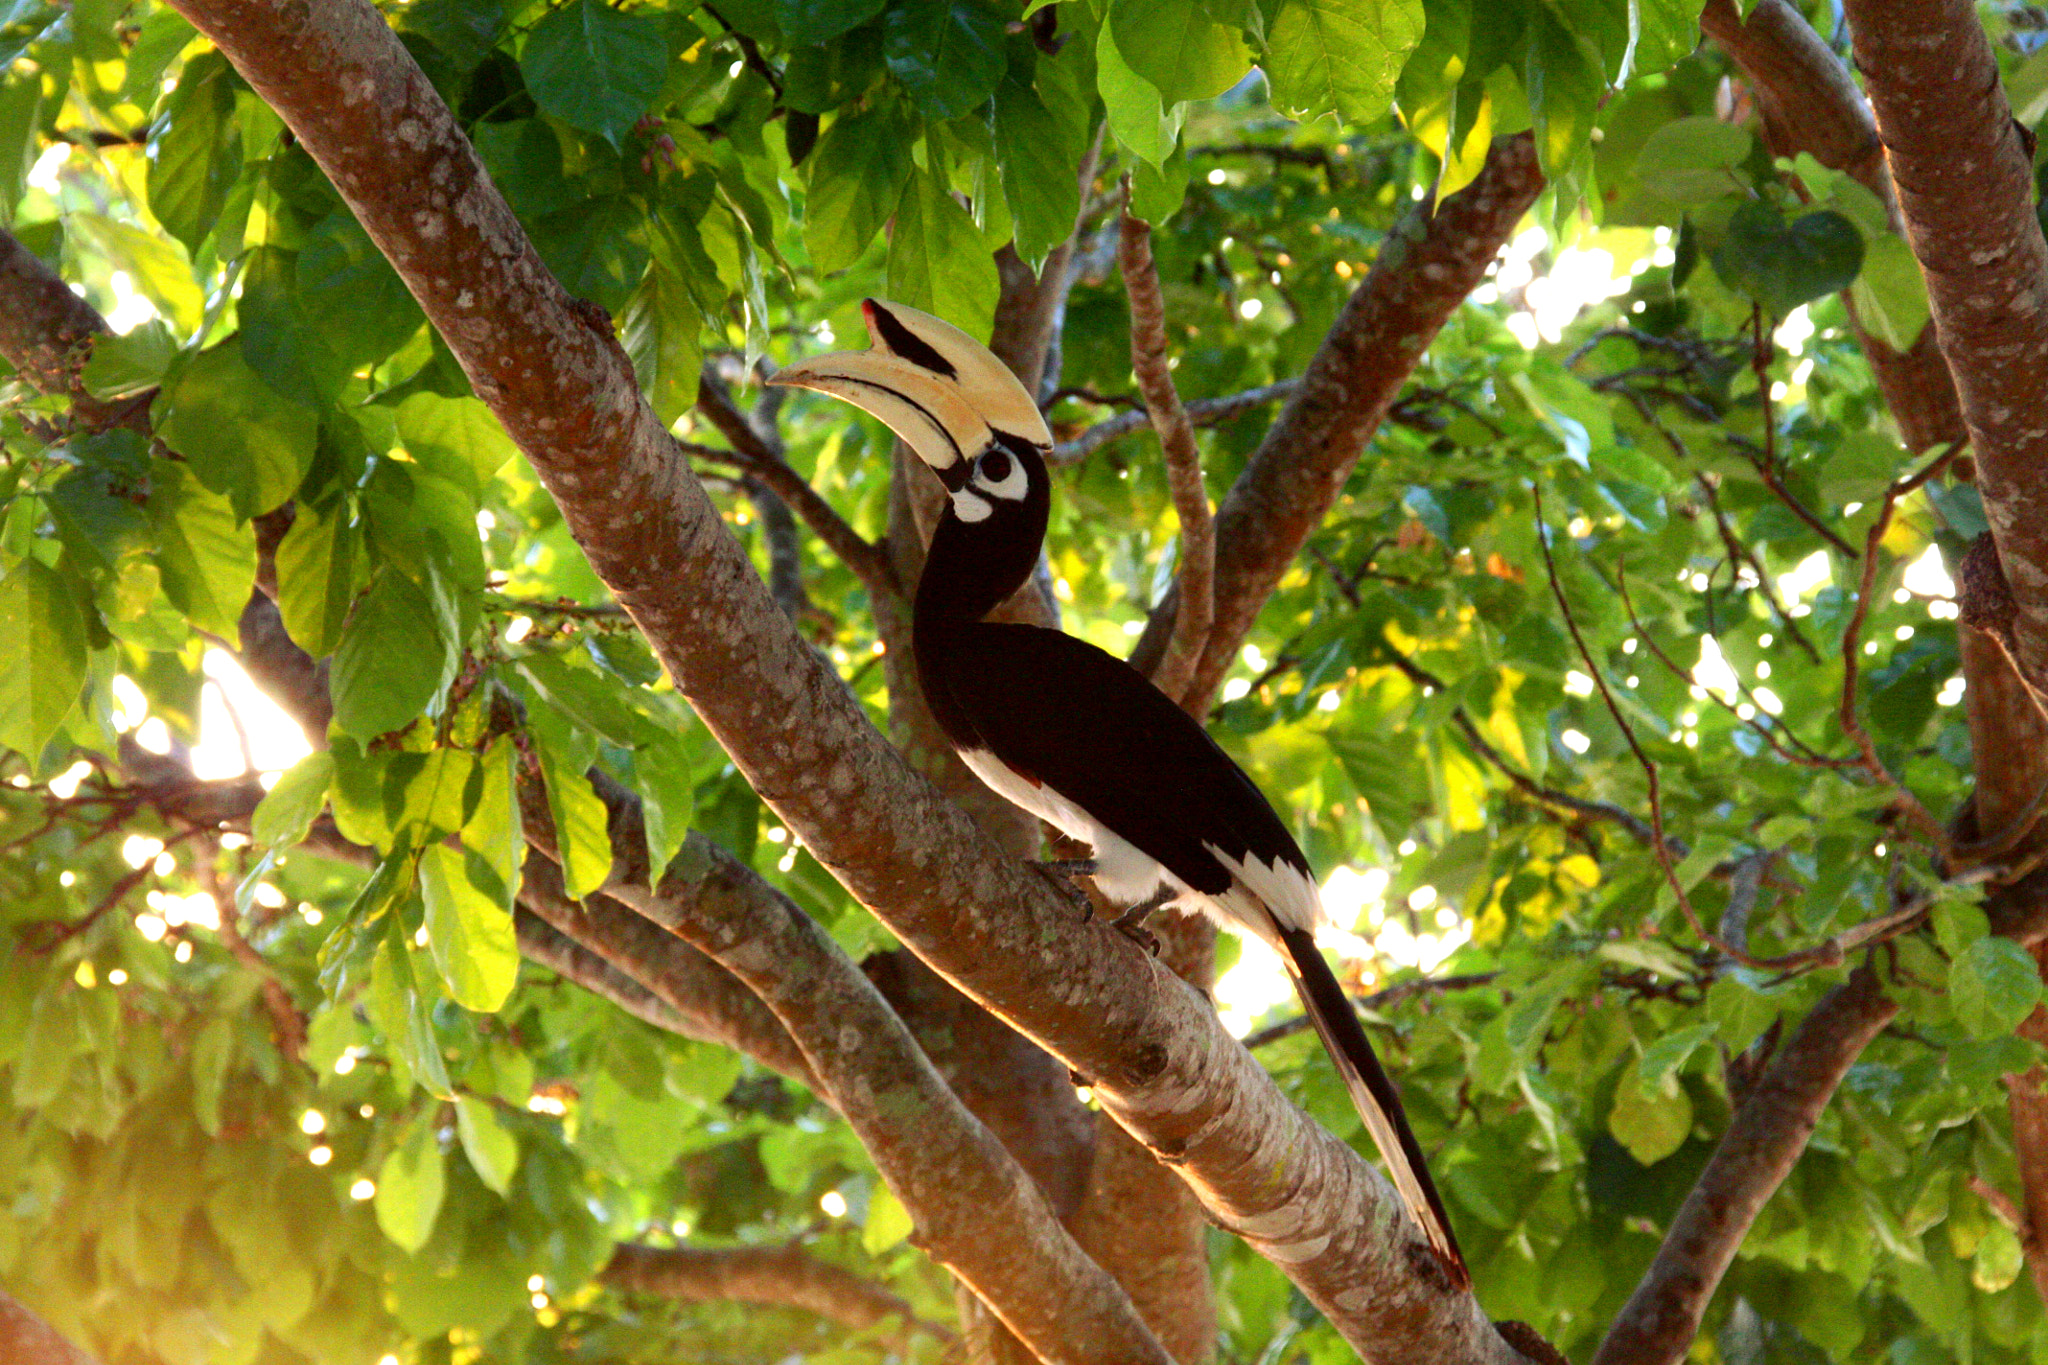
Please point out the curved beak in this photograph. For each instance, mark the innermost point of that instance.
(944, 393)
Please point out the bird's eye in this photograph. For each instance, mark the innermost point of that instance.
(995, 466)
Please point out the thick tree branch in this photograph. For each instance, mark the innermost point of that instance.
(709, 1003)
(1966, 192)
(541, 942)
(26, 1339)
(1765, 1138)
(46, 332)
(1162, 1062)
(1196, 578)
(1429, 263)
(785, 1276)
(948, 1169)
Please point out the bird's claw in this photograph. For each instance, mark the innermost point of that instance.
(1061, 873)
(1131, 924)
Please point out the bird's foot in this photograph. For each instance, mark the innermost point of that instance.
(1131, 924)
(1061, 873)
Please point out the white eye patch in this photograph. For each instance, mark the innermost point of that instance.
(968, 506)
(1000, 474)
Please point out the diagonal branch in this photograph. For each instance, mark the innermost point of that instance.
(868, 561)
(1197, 576)
(1434, 257)
(1763, 1141)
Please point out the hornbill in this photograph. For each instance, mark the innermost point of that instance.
(1075, 735)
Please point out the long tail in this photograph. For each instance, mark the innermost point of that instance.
(1372, 1091)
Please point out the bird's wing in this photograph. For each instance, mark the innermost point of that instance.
(1062, 712)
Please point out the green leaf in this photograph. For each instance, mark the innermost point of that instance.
(1185, 54)
(948, 54)
(888, 1222)
(1783, 266)
(1992, 985)
(1662, 1059)
(289, 808)
(856, 176)
(206, 553)
(398, 1004)
(811, 23)
(938, 261)
(212, 1051)
(1136, 115)
(1694, 160)
(165, 33)
(316, 576)
(1157, 191)
(1038, 151)
(580, 836)
(123, 366)
(410, 1187)
(662, 777)
(39, 619)
(1650, 1123)
(493, 833)
(1340, 56)
(596, 68)
(350, 293)
(1565, 89)
(195, 151)
(492, 1150)
(659, 330)
(468, 929)
(394, 659)
(159, 268)
(1890, 291)
(593, 700)
(240, 437)
(459, 437)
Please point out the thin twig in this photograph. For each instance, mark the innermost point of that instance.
(1201, 412)
(1737, 550)
(1809, 757)
(1378, 1000)
(1852, 636)
(1197, 570)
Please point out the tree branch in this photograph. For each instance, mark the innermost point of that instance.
(709, 1003)
(1966, 193)
(1201, 412)
(1429, 263)
(785, 1276)
(1764, 1140)
(26, 1339)
(1196, 578)
(1811, 104)
(46, 332)
(867, 560)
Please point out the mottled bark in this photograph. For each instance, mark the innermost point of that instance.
(1811, 104)
(1966, 193)
(708, 1002)
(1764, 1139)
(26, 1339)
(46, 332)
(1427, 266)
(1195, 576)
(785, 1276)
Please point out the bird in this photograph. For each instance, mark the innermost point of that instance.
(1075, 735)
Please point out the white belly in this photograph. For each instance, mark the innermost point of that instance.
(1126, 875)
